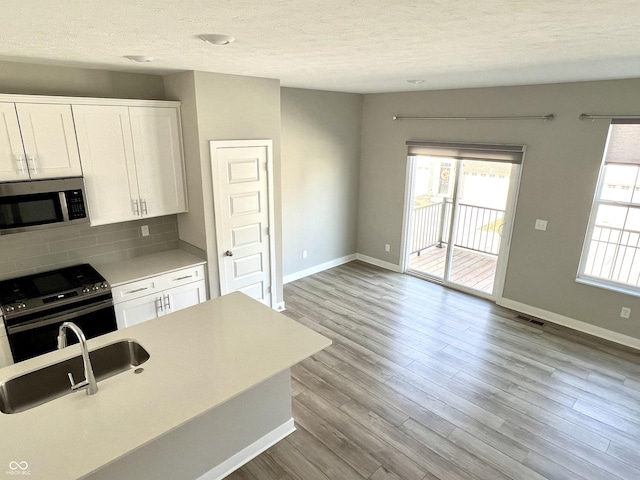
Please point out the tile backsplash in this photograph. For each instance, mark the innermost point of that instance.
(31, 252)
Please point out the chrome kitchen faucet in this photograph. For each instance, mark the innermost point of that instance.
(89, 382)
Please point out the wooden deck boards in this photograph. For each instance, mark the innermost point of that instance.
(423, 382)
(470, 269)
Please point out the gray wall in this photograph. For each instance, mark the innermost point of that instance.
(31, 79)
(320, 171)
(558, 181)
(181, 86)
(224, 107)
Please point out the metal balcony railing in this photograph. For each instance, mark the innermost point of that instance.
(426, 227)
(614, 254)
(477, 228)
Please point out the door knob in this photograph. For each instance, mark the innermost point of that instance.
(228, 253)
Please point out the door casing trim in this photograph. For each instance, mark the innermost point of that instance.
(214, 146)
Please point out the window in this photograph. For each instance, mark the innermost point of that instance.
(611, 253)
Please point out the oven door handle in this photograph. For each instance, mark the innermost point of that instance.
(43, 322)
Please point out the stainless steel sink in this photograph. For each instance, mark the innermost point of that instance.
(45, 384)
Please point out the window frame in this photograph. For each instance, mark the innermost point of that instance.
(592, 280)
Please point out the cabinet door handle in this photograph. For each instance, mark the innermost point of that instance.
(167, 302)
(32, 165)
(159, 306)
(228, 253)
(21, 164)
(181, 278)
(136, 209)
(136, 290)
(144, 207)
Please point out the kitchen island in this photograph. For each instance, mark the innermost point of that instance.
(214, 393)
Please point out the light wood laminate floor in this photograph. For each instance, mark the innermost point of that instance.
(423, 382)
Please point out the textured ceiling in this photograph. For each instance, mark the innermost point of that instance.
(343, 45)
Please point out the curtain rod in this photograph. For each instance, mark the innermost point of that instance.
(586, 116)
(513, 117)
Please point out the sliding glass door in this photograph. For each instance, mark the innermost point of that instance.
(458, 218)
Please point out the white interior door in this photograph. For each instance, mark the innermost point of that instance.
(243, 199)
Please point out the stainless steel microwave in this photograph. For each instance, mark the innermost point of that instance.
(39, 204)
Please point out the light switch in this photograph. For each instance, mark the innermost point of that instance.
(541, 224)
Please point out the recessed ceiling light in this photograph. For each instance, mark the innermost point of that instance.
(217, 39)
(140, 58)
(415, 82)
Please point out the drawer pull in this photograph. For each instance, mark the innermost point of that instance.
(137, 290)
(182, 278)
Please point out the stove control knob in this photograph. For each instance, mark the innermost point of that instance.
(85, 290)
(103, 285)
(94, 288)
(10, 308)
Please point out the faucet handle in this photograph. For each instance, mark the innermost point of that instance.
(77, 386)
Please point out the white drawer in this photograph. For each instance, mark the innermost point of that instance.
(157, 284)
(184, 276)
(138, 289)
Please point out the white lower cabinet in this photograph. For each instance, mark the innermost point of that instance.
(144, 300)
(153, 306)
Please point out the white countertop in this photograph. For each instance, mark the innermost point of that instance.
(200, 357)
(146, 266)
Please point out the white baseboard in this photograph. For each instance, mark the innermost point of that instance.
(571, 323)
(318, 268)
(249, 453)
(379, 263)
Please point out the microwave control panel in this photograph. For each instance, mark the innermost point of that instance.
(75, 204)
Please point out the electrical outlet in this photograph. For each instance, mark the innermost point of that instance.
(625, 312)
(304, 254)
(541, 224)
(145, 230)
(387, 247)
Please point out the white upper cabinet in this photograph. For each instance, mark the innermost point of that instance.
(12, 160)
(108, 164)
(132, 161)
(158, 152)
(128, 151)
(37, 141)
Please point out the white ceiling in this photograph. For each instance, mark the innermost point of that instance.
(343, 45)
